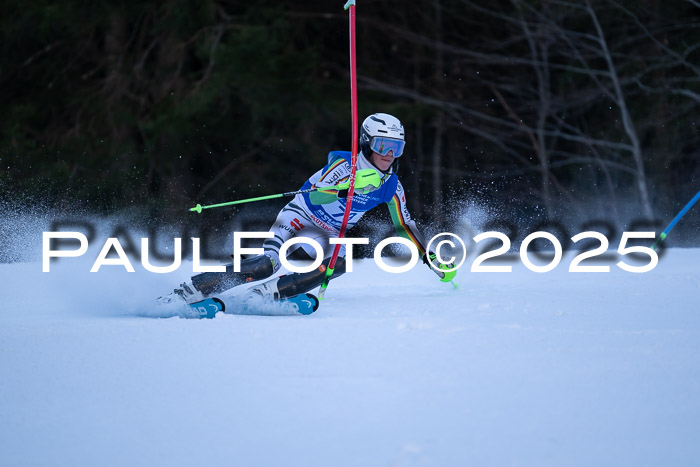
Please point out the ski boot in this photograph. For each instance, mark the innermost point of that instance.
(208, 284)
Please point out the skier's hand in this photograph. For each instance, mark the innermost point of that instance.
(445, 272)
(366, 181)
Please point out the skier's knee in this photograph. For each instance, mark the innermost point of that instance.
(259, 267)
(339, 268)
(293, 284)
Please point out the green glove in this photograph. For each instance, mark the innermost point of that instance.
(366, 181)
(442, 269)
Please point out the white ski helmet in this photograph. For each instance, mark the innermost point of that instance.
(382, 133)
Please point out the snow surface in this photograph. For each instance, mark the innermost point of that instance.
(394, 370)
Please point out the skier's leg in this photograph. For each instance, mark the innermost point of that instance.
(290, 222)
(294, 284)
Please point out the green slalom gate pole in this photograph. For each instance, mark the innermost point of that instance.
(199, 208)
(675, 220)
(350, 5)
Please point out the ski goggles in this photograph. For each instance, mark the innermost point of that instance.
(382, 145)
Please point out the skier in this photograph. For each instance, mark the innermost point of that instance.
(318, 215)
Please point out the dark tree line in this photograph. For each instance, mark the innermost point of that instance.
(553, 106)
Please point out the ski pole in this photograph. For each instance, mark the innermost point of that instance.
(675, 220)
(199, 207)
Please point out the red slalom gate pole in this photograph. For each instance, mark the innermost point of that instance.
(355, 137)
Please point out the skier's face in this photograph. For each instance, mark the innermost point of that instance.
(382, 162)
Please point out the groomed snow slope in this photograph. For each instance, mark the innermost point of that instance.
(393, 370)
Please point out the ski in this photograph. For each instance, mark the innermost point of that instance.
(303, 304)
(207, 308)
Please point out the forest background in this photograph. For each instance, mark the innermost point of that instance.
(547, 109)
